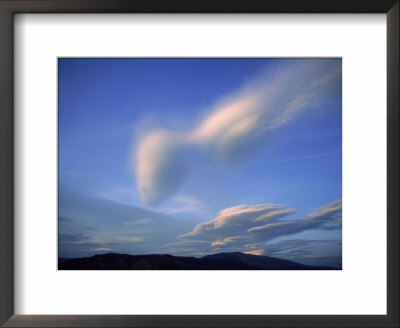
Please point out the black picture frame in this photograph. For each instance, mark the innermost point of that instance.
(10, 7)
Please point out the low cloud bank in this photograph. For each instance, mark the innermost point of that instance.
(250, 229)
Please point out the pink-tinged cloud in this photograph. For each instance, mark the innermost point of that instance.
(238, 126)
(245, 227)
(319, 219)
(237, 219)
(255, 252)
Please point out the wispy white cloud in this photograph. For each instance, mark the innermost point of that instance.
(229, 241)
(237, 127)
(245, 227)
(143, 221)
(188, 243)
(186, 204)
(132, 239)
(250, 246)
(238, 219)
(317, 219)
(100, 249)
(240, 229)
(298, 158)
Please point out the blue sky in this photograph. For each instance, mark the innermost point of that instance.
(198, 156)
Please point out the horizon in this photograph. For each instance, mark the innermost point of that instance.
(189, 157)
(157, 262)
(167, 254)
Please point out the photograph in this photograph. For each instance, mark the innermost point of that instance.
(199, 163)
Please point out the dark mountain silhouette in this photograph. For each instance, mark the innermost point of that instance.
(63, 259)
(220, 261)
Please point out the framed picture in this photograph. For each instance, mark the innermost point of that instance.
(189, 169)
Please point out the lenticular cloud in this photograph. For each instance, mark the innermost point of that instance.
(237, 127)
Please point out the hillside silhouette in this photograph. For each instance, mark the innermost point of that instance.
(219, 261)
